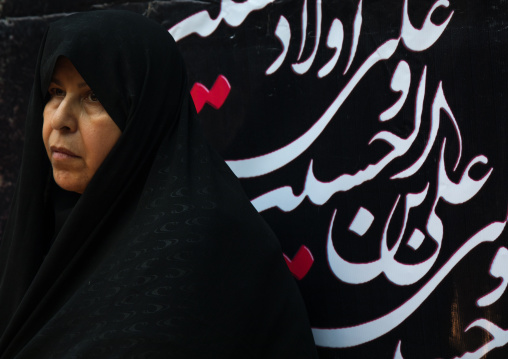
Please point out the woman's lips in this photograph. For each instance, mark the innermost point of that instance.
(62, 153)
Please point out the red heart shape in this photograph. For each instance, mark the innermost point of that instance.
(301, 263)
(215, 96)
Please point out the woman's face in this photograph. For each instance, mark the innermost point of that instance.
(77, 132)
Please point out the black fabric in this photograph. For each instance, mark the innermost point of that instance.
(162, 256)
(63, 203)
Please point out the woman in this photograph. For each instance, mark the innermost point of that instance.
(128, 236)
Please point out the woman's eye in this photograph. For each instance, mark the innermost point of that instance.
(91, 97)
(56, 92)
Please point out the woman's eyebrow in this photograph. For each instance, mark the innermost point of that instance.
(59, 83)
(56, 81)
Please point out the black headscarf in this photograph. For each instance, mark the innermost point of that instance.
(162, 256)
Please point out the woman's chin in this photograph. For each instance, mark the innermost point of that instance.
(69, 183)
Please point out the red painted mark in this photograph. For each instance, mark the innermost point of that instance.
(215, 96)
(301, 262)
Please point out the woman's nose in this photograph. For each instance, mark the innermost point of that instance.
(65, 115)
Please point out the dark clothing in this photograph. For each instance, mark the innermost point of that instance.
(162, 256)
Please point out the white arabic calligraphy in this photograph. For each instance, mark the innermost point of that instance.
(334, 41)
(356, 35)
(319, 192)
(283, 33)
(499, 339)
(303, 67)
(398, 273)
(201, 23)
(401, 80)
(304, 29)
(414, 39)
(363, 333)
(498, 269)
